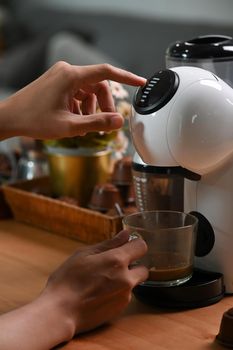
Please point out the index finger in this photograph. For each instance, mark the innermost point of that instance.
(95, 73)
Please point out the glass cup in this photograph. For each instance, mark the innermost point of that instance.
(171, 239)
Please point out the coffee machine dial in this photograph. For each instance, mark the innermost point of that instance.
(158, 91)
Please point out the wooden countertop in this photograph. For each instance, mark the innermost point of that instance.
(28, 255)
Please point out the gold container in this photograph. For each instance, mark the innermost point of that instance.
(75, 175)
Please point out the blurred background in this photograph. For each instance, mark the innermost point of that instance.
(132, 34)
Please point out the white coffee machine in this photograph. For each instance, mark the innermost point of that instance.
(183, 117)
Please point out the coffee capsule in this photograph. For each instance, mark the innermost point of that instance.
(225, 335)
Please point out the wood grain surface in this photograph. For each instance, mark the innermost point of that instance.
(28, 255)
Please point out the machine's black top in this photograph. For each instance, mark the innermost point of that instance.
(157, 92)
(216, 47)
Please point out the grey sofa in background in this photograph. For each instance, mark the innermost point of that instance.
(133, 33)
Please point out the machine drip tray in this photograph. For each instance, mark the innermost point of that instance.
(203, 289)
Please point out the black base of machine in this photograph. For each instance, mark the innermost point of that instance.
(203, 289)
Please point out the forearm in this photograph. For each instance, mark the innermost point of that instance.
(9, 119)
(40, 325)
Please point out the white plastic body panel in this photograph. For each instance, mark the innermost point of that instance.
(195, 130)
(212, 196)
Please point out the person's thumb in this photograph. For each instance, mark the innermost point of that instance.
(82, 124)
(117, 241)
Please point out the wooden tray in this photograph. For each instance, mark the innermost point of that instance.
(30, 203)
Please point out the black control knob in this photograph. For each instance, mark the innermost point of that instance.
(157, 92)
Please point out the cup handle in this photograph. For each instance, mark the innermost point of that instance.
(134, 235)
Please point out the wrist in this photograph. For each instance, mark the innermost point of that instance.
(60, 325)
(39, 325)
(8, 120)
